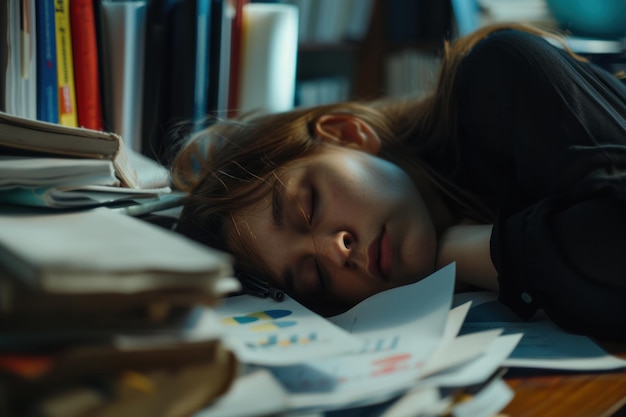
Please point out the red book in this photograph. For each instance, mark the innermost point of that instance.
(235, 59)
(86, 73)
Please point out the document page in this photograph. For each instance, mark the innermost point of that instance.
(544, 345)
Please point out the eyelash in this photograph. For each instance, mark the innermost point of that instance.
(320, 276)
(312, 204)
(312, 207)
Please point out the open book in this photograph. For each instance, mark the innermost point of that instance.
(18, 133)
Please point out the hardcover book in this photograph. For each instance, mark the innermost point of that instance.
(65, 65)
(21, 135)
(124, 29)
(47, 78)
(106, 253)
(86, 67)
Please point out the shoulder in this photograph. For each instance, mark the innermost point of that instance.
(514, 55)
(513, 45)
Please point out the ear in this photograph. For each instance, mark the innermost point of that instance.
(348, 130)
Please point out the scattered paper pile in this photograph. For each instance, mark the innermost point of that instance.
(400, 346)
(412, 351)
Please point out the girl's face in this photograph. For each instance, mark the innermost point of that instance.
(342, 224)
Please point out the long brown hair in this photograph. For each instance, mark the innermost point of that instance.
(232, 163)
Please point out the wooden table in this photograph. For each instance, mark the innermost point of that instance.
(570, 394)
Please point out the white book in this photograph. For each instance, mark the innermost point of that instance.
(29, 172)
(125, 31)
(269, 57)
(103, 252)
(36, 136)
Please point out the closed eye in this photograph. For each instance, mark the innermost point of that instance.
(312, 204)
(320, 276)
(311, 211)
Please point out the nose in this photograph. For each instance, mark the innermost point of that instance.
(338, 249)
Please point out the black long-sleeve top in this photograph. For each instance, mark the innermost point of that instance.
(542, 140)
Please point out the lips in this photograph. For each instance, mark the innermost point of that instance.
(379, 256)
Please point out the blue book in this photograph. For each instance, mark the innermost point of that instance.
(47, 92)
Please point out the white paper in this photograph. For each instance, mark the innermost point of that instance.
(461, 350)
(544, 345)
(487, 403)
(125, 23)
(418, 402)
(253, 394)
(418, 325)
(477, 370)
(263, 331)
(456, 317)
(150, 173)
(397, 346)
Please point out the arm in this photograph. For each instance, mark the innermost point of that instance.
(468, 246)
(544, 142)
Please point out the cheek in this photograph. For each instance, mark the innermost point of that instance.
(260, 241)
(272, 252)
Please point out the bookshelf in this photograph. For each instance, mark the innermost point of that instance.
(400, 52)
(332, 43)
(156, 64)
(403, 31)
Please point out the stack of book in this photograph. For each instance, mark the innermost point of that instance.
(54, 166)
(106, 315)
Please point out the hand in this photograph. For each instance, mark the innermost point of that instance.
(468, 246)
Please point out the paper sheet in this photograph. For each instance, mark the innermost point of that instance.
(263, 331)
(254, 394)
(544, 345)
(397, 346)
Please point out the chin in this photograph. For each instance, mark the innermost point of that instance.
(418, 276)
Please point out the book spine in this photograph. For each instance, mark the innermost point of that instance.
(204, 76)
(86, 70)
(28, 59)
(47, 94)
(272, 28)
(224, 58)
(125, 27)
(215, 47)
(235, 59)
(185, 60)
(65, 65)
(155, 77)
